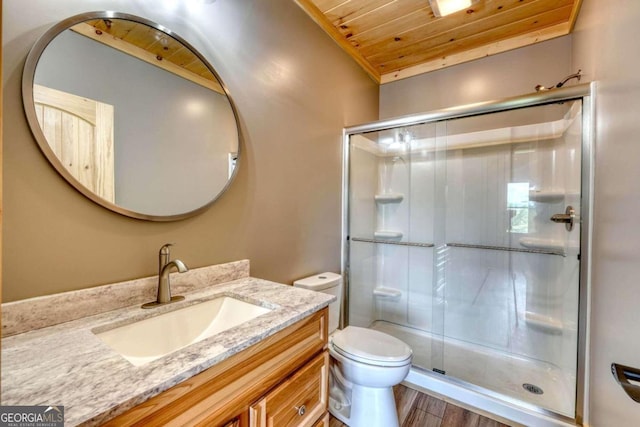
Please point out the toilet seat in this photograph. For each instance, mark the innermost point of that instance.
(371, 347)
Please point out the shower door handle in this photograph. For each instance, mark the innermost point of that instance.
(623, 374)
(568, 218)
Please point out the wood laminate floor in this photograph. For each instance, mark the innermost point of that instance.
(416, 409)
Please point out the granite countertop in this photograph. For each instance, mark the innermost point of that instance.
(68, 365)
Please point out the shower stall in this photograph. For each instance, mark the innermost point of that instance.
(466, 236)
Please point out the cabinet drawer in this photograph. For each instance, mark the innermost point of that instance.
(299, 401)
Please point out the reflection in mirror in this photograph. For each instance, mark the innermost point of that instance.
(130, 115)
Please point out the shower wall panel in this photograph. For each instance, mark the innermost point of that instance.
(364, 260)
(398, 280)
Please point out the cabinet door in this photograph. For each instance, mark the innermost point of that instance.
(233, 423)
(324, 421)
(300, 401)
(241, 420)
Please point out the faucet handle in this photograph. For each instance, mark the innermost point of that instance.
(164, 250)
(164, 256)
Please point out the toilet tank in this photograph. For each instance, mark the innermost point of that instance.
(328, 283)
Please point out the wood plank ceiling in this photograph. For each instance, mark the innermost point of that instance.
(152, 46)
(161, 45)
(396, 39)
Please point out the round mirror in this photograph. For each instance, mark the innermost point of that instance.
(131, 115)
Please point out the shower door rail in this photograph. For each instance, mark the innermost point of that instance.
(390, 242)
(537, 98)
(506, 248)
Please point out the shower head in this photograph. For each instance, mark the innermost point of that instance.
(578, 76)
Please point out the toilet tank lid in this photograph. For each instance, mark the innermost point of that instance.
(319, 282)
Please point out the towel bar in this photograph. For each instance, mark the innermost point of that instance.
(623, 374)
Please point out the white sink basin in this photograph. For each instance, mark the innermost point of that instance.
(149, 339)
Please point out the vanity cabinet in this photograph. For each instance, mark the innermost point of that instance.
(279, 381)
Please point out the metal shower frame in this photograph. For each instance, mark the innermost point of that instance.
(586, 93)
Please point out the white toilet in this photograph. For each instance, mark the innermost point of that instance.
(365, 365)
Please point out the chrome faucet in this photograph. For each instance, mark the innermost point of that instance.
(165, 265)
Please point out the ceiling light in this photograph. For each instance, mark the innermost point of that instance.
(447, 7)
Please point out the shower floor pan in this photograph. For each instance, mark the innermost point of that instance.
(500, 372)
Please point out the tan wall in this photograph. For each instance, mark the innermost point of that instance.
(606, 47)
(512, 73)
(294, 90)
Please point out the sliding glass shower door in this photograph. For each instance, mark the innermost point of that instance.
(464, 241)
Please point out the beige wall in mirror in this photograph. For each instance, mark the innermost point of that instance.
(293, 94)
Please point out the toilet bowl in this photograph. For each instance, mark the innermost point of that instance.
(365, 365)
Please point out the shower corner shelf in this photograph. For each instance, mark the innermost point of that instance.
(387, 293)
(385, 198)
(547, 196)
(387, 235)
